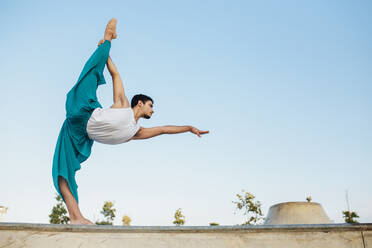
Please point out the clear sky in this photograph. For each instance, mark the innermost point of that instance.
(284, 87)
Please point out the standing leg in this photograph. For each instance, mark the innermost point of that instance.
(72, 206)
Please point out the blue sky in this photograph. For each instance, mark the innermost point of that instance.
(283, 86)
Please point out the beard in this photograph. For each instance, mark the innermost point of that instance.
(147, 116)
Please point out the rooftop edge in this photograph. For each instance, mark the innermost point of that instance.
(184, 229)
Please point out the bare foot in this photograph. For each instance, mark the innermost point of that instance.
(81, 221)
(110, 32)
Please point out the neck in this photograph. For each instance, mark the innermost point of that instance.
(137, 113)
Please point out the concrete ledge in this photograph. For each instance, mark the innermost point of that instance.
(185, 229)
(312, 235)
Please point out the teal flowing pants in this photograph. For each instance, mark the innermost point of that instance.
(73, 144)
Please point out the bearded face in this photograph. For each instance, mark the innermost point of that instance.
(147, 109)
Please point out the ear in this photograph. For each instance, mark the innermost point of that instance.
(140, 103)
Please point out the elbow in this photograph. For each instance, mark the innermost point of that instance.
(115, 74)
(163, 130)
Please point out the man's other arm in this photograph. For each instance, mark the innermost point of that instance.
(145, 133)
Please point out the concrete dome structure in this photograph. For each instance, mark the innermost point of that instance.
(296, 213)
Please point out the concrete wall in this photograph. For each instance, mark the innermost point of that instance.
(14, 235)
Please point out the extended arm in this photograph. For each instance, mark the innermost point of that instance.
(145, 133)
(120, 100)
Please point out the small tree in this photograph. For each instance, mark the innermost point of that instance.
(349, 216)
(59, 213)
(179, 218)
(252, 209)
(126, 220)
(108, 213)
(214, 224)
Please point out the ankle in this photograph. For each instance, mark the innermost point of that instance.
(108, 37)
(74, 217)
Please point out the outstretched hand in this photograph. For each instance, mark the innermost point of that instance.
(198, 132)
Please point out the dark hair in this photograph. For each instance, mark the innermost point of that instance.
(140, 97)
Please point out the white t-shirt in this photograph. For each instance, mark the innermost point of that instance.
(112, 125)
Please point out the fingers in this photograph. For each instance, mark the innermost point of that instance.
(199, 132)
(101, 42)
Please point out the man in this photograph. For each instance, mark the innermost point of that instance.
(86, 121)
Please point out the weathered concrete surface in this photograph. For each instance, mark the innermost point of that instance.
(14, 235)
(296, 213)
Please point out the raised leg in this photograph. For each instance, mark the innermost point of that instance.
(99, 57)
(76, 218)
(83, 93)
